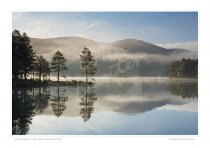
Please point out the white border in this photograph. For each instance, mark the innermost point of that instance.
(8, 6)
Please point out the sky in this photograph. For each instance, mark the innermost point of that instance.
(165, 29)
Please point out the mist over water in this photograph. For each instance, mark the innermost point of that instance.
(114, 106)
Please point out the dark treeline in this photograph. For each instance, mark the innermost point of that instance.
(29, 69)
(23, 57)
(25, 64)
(186, 68)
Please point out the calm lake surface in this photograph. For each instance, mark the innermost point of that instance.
(116, 106)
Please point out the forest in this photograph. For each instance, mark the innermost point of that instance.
(186, 68)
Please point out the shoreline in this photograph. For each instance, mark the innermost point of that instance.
(117, 78)
(80, 81)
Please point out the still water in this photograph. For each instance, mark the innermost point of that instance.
(130, 106)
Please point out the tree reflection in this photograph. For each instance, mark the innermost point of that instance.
(23, 105)
(87, 101)
(42, 98)
(58, 103)
(185, 90)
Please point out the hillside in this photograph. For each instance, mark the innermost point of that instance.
(129, 57)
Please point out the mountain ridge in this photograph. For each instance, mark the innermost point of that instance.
(114, 42)
(148, 59)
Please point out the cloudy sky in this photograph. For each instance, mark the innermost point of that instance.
(166, 29)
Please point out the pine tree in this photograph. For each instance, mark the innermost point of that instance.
(42, 67)
(16, 54)
(28, 56)
(23, 56)
(87, 63)
(58, 63)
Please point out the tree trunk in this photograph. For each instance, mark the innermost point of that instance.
(58, 75)
(58, 71)
(33, 74)
(58, 102)
(40, 75)
(21, 75)
(86, 101)
(86, 70)
(86, 76)
(25, 75)
(33, 92)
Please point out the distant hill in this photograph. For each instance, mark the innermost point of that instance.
(136, 46)
(129, 57)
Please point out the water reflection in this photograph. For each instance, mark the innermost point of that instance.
(185, 90)
(42, 97)
(58, 103)
(128, 98)
(87, 102)
(23, 109)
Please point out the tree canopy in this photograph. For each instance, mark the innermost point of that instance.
(43, 69)
(23, 56)
(184, 68)
(58, 64)
(87, 63)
